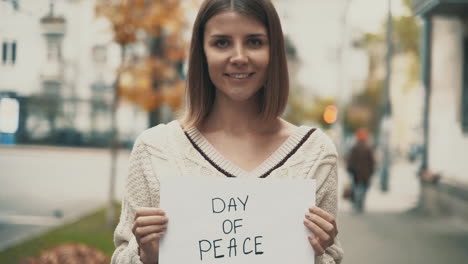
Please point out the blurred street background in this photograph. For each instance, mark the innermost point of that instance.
(81, 79)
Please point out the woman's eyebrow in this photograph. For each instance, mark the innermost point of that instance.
(220, 36)
(248, 35)
(257, 35)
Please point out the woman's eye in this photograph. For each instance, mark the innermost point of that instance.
(255, 42)
(222, 43)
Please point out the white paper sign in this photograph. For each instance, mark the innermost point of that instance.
(232, 220)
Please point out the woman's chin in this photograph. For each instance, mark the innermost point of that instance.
(241, 97)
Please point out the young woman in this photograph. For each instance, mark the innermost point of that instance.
(237, 90)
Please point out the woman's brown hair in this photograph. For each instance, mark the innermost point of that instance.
(200, 93)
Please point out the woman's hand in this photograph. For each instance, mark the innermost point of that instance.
(148, 227)
(323, 225)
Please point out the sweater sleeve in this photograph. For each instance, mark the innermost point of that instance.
(328, 202)
(138, 192)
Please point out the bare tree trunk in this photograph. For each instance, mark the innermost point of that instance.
(114, 147)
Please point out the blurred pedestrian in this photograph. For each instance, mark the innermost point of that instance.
(237, 90)
(360, 165)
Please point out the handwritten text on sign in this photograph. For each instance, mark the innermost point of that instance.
(221, 220)
(230, 226)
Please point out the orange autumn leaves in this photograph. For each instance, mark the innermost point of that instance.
(150, 80)
(136, 84)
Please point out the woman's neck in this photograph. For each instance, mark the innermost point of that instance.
(238, 118)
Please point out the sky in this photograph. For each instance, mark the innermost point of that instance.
(316, 28)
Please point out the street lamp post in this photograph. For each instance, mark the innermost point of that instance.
(385, 121)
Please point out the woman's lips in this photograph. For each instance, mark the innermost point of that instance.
(240, 76)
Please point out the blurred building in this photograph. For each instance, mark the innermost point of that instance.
(59, 61)
(445, 79)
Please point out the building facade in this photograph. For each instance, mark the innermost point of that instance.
(445, 77)
(59, 60)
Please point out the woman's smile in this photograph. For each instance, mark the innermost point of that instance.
(239, 76)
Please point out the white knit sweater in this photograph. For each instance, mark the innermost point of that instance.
(168, 149)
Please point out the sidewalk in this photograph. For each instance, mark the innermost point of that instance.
(389, 232)
(389, 238)
(403, 193)
(37, 183)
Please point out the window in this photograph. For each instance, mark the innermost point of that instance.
(99, 54)
(14, 3)
(464, 103)
(53, 50)
(4, 52)
(9, 51)
(13, 52)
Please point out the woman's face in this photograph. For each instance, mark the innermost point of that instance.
(237, 52)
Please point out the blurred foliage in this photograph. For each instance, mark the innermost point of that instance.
(154, 17)
(366, 106)
(297, 107)
(90, 230)
(407, 35)
(303, 108)
(155, 78)
(307, 109)
(70, 253)
(137, 84)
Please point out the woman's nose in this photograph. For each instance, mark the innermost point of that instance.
(239, 55)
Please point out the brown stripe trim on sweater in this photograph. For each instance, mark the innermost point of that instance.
(208, 158)
(281, 163)
(266, 174)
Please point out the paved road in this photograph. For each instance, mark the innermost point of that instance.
(402, 238)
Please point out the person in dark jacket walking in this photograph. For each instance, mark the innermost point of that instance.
(360, 165)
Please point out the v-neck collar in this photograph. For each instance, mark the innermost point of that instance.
(230, 169)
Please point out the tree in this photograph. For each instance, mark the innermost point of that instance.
(156, 78)
(405, 41)
(151, 80)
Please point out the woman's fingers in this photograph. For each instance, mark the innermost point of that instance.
(323, 214)
(316, 245)
(143, 231)
(148, 221)
(149, 225)
(319, 232)
(151, 220)
(323, 224)
(148, 211)
(151, 237)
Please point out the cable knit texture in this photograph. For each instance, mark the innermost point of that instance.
(166, 150)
